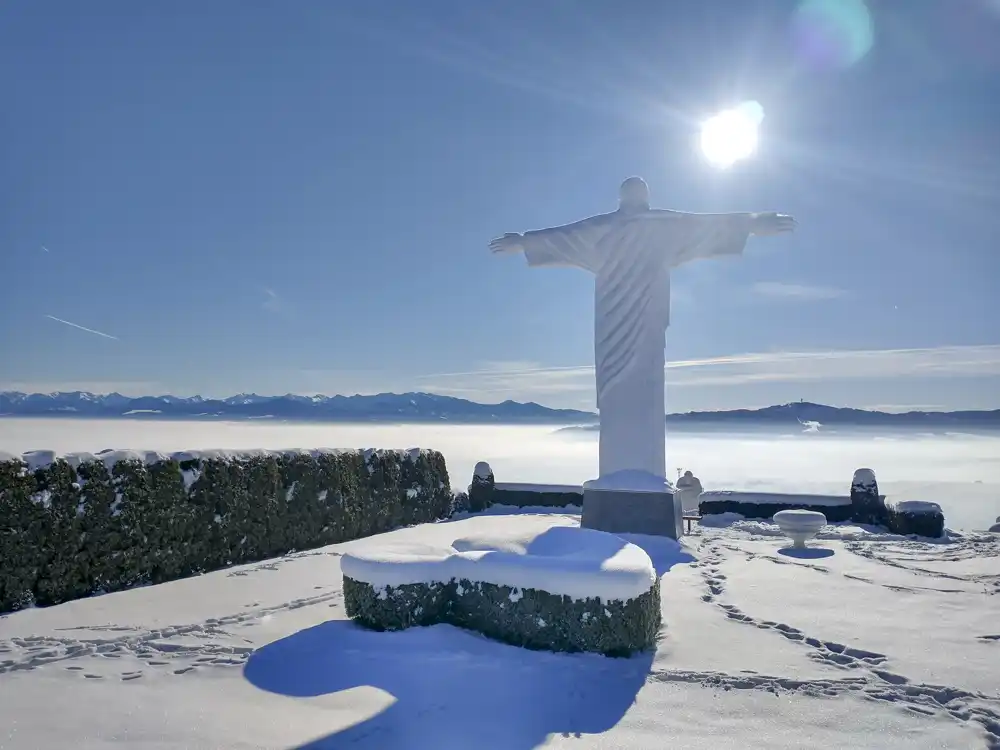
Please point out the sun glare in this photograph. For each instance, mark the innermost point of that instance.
(731, 135)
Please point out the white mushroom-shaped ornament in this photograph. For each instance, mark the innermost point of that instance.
(800, 525)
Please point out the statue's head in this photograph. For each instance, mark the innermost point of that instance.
(633, 195)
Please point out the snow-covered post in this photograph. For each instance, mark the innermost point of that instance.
(481, 489)
(866, 505)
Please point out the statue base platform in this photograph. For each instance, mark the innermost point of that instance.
(627, 507)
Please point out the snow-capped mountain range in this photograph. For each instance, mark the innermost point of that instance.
(428, 407)
(383, 407)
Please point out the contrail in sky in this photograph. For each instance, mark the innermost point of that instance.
(82, 328)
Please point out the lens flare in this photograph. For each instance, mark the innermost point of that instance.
(833, 33)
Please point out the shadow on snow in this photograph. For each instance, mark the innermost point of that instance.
(807, 553)
(665, 553)
(453, 689)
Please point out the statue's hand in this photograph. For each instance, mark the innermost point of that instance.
(509, 243)
(769, 223)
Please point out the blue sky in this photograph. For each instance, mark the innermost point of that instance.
(298, 197)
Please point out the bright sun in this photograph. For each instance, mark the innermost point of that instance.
(731, 135)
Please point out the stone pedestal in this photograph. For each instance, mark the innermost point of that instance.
(619, 511)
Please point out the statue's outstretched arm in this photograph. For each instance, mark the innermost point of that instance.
(761, 224)
(567, 245)
(693, 236)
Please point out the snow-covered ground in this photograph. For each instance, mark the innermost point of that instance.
(862, 641)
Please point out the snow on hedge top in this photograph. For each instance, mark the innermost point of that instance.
(42, 459)
(916, 506)
(772, 498)
(482, 470)
(629, 480)
(562, 560)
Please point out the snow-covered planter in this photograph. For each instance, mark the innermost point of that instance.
(765, 504)
(82, 524)
(915, 517)
(566, 589)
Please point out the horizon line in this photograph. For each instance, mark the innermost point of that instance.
(873, 409)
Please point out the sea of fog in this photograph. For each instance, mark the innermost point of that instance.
(959, 471)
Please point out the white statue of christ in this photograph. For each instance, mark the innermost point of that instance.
(631, 252)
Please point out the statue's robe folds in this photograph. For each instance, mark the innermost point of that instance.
(631, 253)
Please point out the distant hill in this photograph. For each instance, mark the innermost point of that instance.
(805, 413)
(383, 407)
(813, 417)
(427, 407)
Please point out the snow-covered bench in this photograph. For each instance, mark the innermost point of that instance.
(564, 589)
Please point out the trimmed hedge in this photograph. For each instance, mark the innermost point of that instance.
(870, 507)
(485, 492)
(921, 523)
(521, 617)
(713, 503)
(865, 505)
(536, 498)
(71, 528)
